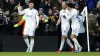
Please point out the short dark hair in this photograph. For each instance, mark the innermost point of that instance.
(71, 5)
(93, 11)
(16, 10)
(31, 2)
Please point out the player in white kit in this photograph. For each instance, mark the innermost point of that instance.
(75, 26)
(31, 23)
(65, 26)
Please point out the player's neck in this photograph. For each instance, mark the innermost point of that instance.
(65, 8)
(69, 8)
(30, 8)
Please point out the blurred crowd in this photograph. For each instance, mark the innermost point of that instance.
(49, 14)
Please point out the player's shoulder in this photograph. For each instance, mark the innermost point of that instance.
(26, 9)
(61, 10)
(74, 10)
(35, 10)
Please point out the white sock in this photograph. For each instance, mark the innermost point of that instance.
(76, 42)
(69, 43)
(76, 48)
(62, 44)
(31, 44)
(27, 41)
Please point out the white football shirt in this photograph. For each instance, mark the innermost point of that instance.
(31, 17)
(63, 17)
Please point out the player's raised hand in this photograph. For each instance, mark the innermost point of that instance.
(19, 4)
(16, 25)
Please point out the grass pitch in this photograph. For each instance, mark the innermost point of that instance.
(49, 54)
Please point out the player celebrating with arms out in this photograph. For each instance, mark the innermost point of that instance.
(65, 26)
(31, 19)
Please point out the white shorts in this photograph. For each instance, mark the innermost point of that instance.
(29, 32)
(65, 30)
(75, 31)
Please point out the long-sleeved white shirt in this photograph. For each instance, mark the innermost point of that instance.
(32, 17)
(63, 16)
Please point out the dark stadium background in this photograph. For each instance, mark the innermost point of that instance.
(11, 38)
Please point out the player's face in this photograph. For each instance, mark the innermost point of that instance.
(63, 6)
(31, 5)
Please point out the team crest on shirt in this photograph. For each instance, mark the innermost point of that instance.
(64, 16)
(29, 15)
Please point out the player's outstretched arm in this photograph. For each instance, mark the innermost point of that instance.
(20, 11)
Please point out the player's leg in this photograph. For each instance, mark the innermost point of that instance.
(75, 41)
(26, 41)
(74, 35)
(31, 43)
(25, 36)
(31, 34)
(68, 40)
(62, 43)
(63, 29)
(70, 44)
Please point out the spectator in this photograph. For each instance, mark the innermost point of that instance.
(98, 19)
(98, 40)
(43, 17)
(92, 30)
(11, 6)
(56, 12)
(48, 5)
(98, 45)
(43, 22)
(26, 5)
(60, 1)
(17, 17)
(42, 4)
(72, 1)
(27, 0)
(52, 23)
(98, 12)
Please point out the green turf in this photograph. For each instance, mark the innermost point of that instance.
(49, 54)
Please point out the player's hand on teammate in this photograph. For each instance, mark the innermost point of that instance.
(36, 26)
(16, 25)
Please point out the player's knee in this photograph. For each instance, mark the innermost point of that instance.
(63, 36)
(72, 36)
(25, 36)
(32, 37)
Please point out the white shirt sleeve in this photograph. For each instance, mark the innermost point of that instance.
(74, 13)
(37, 17)
(60, 14)
(80, 18)
(21, 12)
